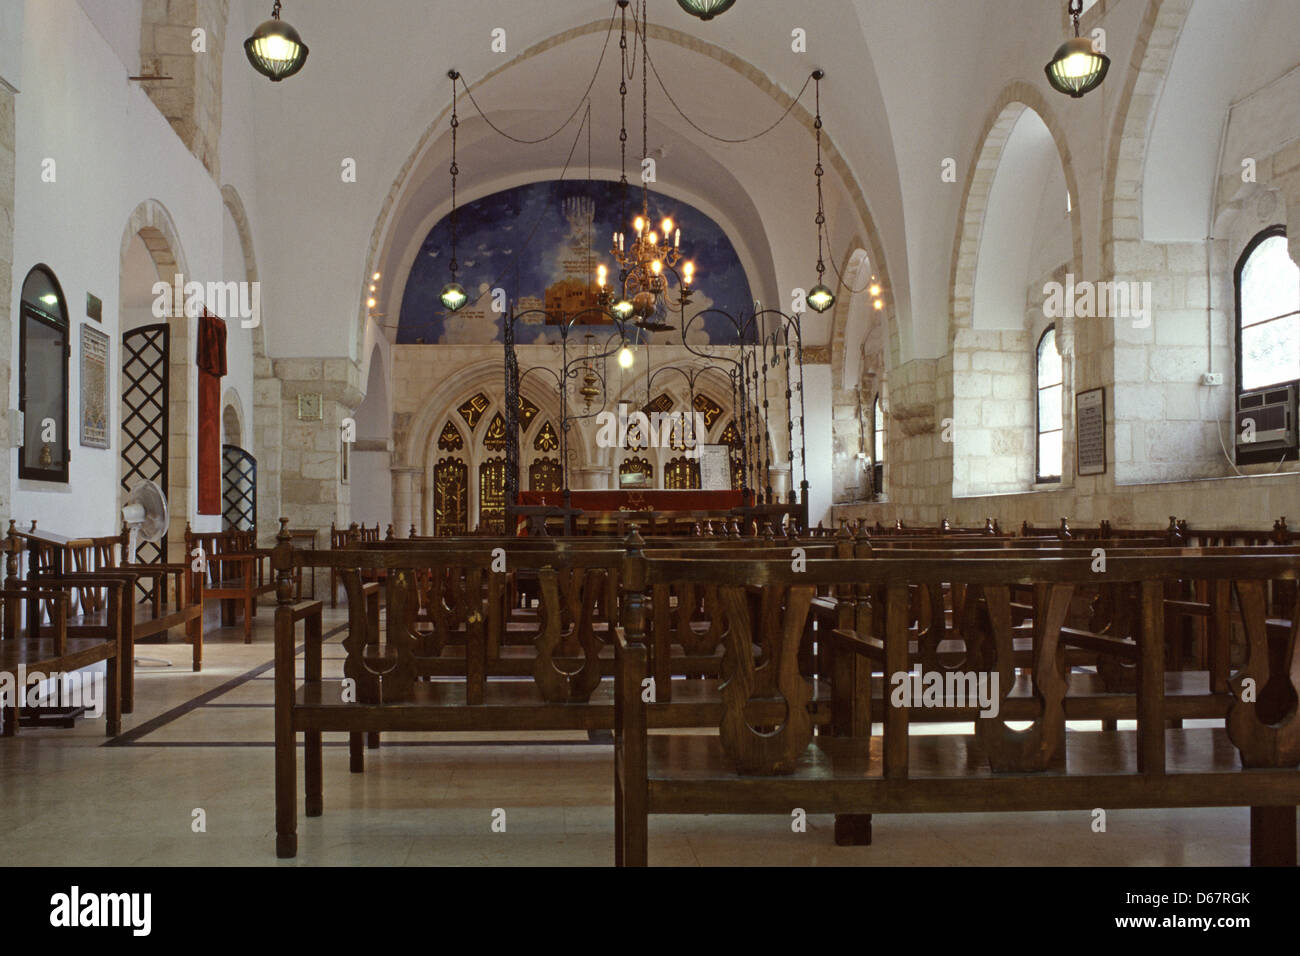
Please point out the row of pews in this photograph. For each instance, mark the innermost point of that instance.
(70, 603)
(812, 656)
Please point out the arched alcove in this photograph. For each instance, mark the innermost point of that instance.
(1020, 237)
(158, 376)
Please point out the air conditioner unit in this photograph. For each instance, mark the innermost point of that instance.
(1266, 419)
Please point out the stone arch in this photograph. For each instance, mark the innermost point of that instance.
(232, 419)
(153, 224)
(266, 429)
(992, 451)
(992, 140)
(832, 157)
(415, 448)
(856, 273)
(1121, 224)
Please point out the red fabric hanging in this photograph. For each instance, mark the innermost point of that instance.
(211, 360)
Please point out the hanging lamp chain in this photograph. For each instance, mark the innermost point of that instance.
(1076, 11)
(455, 170)
(821, 205)
(645, 108)
(275, 10)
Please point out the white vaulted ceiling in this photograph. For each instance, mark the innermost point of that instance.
(909, 85)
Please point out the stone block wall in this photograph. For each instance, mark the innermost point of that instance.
(311, 492)
(191, 99)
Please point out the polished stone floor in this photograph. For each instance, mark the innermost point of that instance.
(202, 742)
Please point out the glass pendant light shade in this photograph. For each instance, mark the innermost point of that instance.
(626, 357)
(821, 298)
(1077, 68)
(706, 9)
(453, 296)
(275, 49)
(623, 308)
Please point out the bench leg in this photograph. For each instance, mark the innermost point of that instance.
(372, 740)
(248, 620)
(194, 632)
(314, 772)
(127, 671)
(357, 756)
(227, 612)
(113, 698)
(853, 829)
(1272, 836)
(286, 757)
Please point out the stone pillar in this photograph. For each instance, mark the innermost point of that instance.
(268, 437)
(781, 482)
(312, 494)
(407, 501)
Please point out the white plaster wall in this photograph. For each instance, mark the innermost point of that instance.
(113, 150)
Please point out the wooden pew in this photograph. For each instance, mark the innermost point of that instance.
(37, 637)
(173, 600)
(750, 768)
(445, 593)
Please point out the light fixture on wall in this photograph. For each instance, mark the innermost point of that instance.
(706, 9)
(453, 294)
(1077, 67)
(275, 49)
(820, 297)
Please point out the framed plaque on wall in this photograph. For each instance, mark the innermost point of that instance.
(94, 388)
(1090, 432)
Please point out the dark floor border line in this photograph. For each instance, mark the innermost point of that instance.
(387, 744)
(176, 713)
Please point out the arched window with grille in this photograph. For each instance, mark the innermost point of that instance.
(1268, 312)
(1050, 396)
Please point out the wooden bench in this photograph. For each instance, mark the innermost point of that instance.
(446, 593)
(172, 600)
(234, 572)
(754, 767)
(37, 637)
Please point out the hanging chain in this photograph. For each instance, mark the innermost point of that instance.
(645, 109)
(275, 11)
(455, 172)
(1076, 11)
(821, 205)
(622, 109)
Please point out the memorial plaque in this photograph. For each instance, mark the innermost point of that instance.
(1090, 432)
(715, 468)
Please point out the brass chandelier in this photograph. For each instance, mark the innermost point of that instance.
(653, 255)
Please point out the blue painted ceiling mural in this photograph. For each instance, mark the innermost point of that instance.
(536, 239)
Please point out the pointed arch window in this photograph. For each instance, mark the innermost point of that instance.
(1050, 400)
(547, 439)
(494, 439)
(450, 439)
(1268, 312)
(877, 449)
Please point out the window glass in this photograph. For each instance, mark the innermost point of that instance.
(1269, 291)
